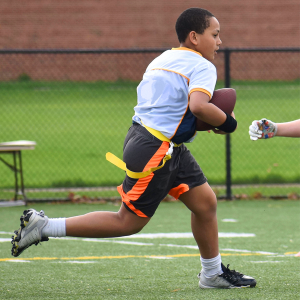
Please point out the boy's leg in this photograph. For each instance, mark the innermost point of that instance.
(36, 227)
(101, 224)
(141, 196)
(202, 203)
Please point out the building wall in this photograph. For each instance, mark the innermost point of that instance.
(142, 24)
(77, 24)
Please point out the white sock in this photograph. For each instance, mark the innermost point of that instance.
(212, 266)
(55, 228)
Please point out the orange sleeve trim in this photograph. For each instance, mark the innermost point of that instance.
(142, 183)
(201, 90)
(188, 80)
(179, 190)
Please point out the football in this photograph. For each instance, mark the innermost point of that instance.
(225, 100)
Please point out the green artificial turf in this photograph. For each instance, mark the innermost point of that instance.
(160, 269)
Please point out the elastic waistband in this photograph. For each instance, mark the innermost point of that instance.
(136, 175)
(158, 134)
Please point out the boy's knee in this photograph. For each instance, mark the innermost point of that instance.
(134, 229)
(131, 223)
(207, 207)
(211, 204)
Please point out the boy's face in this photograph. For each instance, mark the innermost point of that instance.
(209, 41)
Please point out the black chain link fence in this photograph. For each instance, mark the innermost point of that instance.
(77, 105)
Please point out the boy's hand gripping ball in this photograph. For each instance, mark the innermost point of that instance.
(225, 100)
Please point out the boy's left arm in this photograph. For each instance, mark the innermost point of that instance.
(217, 131)
(209, 113)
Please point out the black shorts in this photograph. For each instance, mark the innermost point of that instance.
(143, 151)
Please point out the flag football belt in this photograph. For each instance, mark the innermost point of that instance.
(136, 175)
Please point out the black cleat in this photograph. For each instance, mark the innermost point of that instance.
(228, 280)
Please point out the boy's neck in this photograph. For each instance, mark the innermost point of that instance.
(188, 45)
(192, 47)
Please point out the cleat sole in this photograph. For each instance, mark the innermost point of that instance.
(16, 238)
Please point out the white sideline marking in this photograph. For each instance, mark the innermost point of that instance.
(160, 257)
(4, 240)
(282, 255)
(265, 261)
(233, 235)
(103, 241)
(177, 235)
(121, 242)
(248, 251)
(229, 220)
(171, 235)
(180, 246)
(19, 260)
(77, 262)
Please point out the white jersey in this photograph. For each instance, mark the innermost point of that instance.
(163, 94)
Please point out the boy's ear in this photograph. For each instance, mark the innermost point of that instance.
(193, 37)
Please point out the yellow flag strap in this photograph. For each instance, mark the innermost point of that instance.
(136, 175)
(120, 164)
(159, 135)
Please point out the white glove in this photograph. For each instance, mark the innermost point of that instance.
(262, 129)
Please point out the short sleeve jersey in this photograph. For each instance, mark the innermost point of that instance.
(163, 94)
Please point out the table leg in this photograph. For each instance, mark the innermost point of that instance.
(16, 176)
(21, 176)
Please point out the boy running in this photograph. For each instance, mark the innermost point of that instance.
(176, 89)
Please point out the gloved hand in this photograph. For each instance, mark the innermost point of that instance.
(262, 129)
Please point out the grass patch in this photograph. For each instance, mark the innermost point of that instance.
(75, 124)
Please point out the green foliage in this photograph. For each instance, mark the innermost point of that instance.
(24, 77)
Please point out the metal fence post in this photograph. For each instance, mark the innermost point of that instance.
(228, 154)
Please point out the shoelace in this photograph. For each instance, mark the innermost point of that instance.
(231, 271)
(231, 274)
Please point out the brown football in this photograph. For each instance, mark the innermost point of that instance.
(225, 100)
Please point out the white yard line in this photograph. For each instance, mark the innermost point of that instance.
(229, 220)
(5, 240)
(104, 241)
(170, 235)
(248, 251)
(179, 235)
(266, 261)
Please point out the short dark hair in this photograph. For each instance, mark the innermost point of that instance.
(192, 19)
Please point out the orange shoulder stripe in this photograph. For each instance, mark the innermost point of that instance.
(188, 80)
